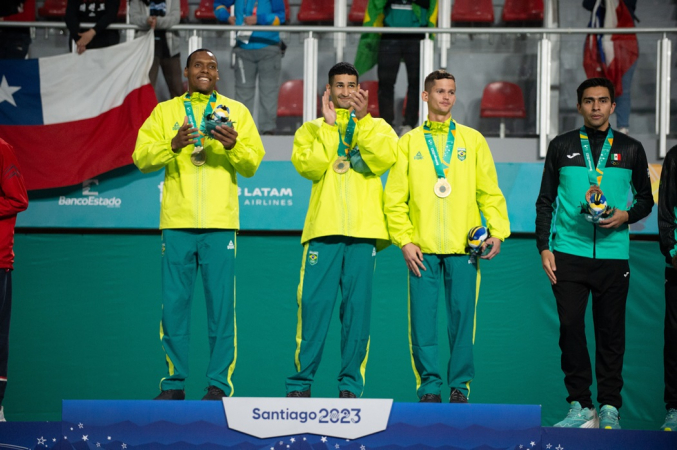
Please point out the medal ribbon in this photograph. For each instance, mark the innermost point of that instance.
(347, 140)
(448, 148)
(191, 117)
(595, 173)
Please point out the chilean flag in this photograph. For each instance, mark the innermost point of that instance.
(610, 55)
(72, 117)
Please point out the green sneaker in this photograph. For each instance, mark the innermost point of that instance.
(608, 418)
(579, 417)
(670, 421)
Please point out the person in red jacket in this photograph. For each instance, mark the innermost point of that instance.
(13, 200)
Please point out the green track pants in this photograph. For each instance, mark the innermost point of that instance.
(461, 287)
(183, 252)
(329, 263)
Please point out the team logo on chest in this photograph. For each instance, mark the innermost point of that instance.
(418, 156)
(461, 154)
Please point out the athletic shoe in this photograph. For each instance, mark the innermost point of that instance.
(608, 418)
(430, 398)
(670, 420)
(347, 394)
(579, 418)
(171, 394)
(2, 414)
(457, 397)
(300, 394)
(214, 393)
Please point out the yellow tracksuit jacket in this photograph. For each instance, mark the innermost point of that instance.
(349, 204)
(205, 196)
(440, 225)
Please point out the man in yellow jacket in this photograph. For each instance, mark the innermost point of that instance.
(443, 178)
(202, 140)
(343, 154)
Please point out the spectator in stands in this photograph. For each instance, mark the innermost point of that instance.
(13, 200)
(160, 16)
(102, 13)
(396, 47)
(628, 45)
(258, 54)
(14, 42)
(667, 231)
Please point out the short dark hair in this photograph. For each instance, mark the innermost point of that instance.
(439, 74)
(595, 82)
(196, 51)
(343, 68)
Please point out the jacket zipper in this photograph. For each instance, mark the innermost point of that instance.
(594, 241)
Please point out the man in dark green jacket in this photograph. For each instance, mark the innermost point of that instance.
(667, 231)
(588, 177)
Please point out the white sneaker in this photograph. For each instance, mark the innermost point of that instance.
(579, 417)
(624, 130)
(404, 130)
(2, 414)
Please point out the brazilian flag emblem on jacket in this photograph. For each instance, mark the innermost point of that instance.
(461, 154)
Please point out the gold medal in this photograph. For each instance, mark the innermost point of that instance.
(341, 165)
(199, 156)
(442, 188)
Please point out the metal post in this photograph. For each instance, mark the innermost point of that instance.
(543, 104)
(426, 66)
(663, 94)
(129, 34)
(340, 21)
(444, 39)
(194, 41)
(309, 78)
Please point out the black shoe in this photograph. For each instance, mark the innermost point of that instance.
(457, 397)
(431, 398)
(347, 394)
(171, 394)
(304, 394)
(214, 393)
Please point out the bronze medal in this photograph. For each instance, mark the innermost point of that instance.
(341, 165)
(199, 156)
(442, 188)
(594, 189)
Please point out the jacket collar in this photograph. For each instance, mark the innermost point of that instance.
(439, 127)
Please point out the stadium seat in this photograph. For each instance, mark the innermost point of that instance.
(472, 11)
(53, 9)
(290, 99)
(523, 11)
(27, 15)
(316, 11)
(372, 87)
(503, 100)
(205, 11)
(185, 9)
(122, 11)
(357, 10)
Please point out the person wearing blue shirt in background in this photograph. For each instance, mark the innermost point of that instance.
(257, 54)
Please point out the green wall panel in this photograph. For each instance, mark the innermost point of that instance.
(86, 315)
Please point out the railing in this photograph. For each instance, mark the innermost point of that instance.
(663, 63)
